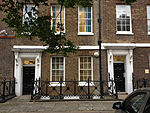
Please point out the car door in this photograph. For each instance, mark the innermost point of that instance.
(134, 103)
(147, 107)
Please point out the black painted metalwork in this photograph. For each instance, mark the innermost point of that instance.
(100, 52)
(73, 90)
(7, 90)
(141, 83)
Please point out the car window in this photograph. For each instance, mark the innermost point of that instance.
(133, 104)
(147, 107)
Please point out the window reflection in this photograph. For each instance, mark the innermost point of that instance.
(85, 19)
(56, 18)
(123, 14)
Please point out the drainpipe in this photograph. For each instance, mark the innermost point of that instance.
(99, 43)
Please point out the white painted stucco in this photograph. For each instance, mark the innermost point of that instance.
(128, 66)
(18, 68)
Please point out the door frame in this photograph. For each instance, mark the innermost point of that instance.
(18, 70)
(128, 65)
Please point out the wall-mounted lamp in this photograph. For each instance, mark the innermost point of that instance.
(96, 54)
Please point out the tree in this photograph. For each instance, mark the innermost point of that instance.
(36, 25)
(40, 25)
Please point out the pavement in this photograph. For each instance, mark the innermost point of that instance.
(22, 105)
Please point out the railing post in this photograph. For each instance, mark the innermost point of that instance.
(32, 89)
(144, 83)
(133, 81)
(112, 82)
(39, 88)
(137, 84)
(101, 89)
(60, 95)
(74, 87)
(4, 85)
(116, 87)
(46, 87)
(9, 89)
(88, 88)
(36, 86)
(13, 89)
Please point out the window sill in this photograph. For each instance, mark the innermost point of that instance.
(54, 84)
(85, 33)
(124, 33)
(58, 33)
(86, 84)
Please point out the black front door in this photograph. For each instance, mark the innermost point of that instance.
(28, 77)
(119, 77)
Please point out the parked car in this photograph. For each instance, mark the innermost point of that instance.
(136, 102)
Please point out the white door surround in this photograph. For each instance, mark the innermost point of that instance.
(128, 65)
(20, 55)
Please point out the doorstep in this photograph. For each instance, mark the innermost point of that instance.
(122, 95)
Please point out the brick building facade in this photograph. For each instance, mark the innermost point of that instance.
(125, 47)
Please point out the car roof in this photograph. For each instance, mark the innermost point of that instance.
(143, 89)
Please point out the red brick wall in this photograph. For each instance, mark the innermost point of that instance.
(139, 23)
(141, 62)
(71, 65)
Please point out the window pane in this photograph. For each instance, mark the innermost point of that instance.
(128, 28)
(85, 78)
(118, 28)
(29, 12)
(89, 10)
(53, 78)
(81, 72)
(148, 17)
(85, 20)
(88, 23)
(81, 78)
(56, 18)
(89, 29)
(148, 25)
(85, 68)
(81, 66)
(123, 13)
(57, 68)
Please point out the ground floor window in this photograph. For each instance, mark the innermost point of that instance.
(85, 68)
(57, 69)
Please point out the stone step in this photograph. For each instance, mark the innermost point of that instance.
(122, 95)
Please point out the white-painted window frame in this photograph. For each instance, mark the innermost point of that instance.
(59, 18)
(124, 7)
(56, 83)
(86, 33)
(85, 83)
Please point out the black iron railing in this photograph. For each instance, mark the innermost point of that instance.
(7, 90)
(81, 90)
(141, 83)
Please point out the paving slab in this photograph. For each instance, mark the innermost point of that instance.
(22, 105)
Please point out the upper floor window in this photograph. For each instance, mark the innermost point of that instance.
(123, 19)
(57, 69)
(85, 21)
(148, 18)
(85, 68)
(29, 13)
(55, 13)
